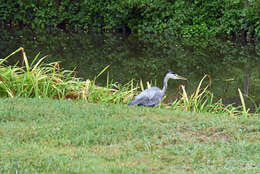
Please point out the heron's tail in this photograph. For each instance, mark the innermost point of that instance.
(133, 102)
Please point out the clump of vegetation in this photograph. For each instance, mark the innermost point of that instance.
(42, 80)
(202, 100)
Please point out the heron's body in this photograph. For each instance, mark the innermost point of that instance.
(152, 97)
(149, 97)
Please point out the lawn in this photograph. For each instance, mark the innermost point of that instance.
(58, 136)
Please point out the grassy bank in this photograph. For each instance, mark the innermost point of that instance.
(38, 79)
(58, 136)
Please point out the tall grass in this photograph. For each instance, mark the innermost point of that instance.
(202, 100)
(41, 80)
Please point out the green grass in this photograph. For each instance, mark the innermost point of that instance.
(59, 136)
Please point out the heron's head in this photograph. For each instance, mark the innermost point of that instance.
(173, 75)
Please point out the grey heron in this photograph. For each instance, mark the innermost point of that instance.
(153, 96)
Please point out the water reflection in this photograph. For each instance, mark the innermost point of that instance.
(230, 65)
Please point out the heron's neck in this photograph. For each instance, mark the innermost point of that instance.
(165, 81)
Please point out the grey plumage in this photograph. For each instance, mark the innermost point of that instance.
(152, 97)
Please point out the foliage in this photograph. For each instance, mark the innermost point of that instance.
(183, 18)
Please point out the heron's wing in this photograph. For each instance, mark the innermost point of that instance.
(149, 97)
(149, 93)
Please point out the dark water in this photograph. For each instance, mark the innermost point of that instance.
(230, 65)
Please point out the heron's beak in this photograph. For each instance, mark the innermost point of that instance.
(181, 78)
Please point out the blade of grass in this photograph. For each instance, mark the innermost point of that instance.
(25, 60)
(198, 88)
(149, 85)
(13, 53)
(102, 71)
(35, 58)
(141, 85)
(37, 64)
(242, 101)
(185, 96)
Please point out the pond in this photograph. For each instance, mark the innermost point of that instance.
(230, 65)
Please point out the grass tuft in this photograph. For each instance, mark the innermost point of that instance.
(202, 100)
(42, 80)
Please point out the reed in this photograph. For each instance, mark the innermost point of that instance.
(244, 110)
